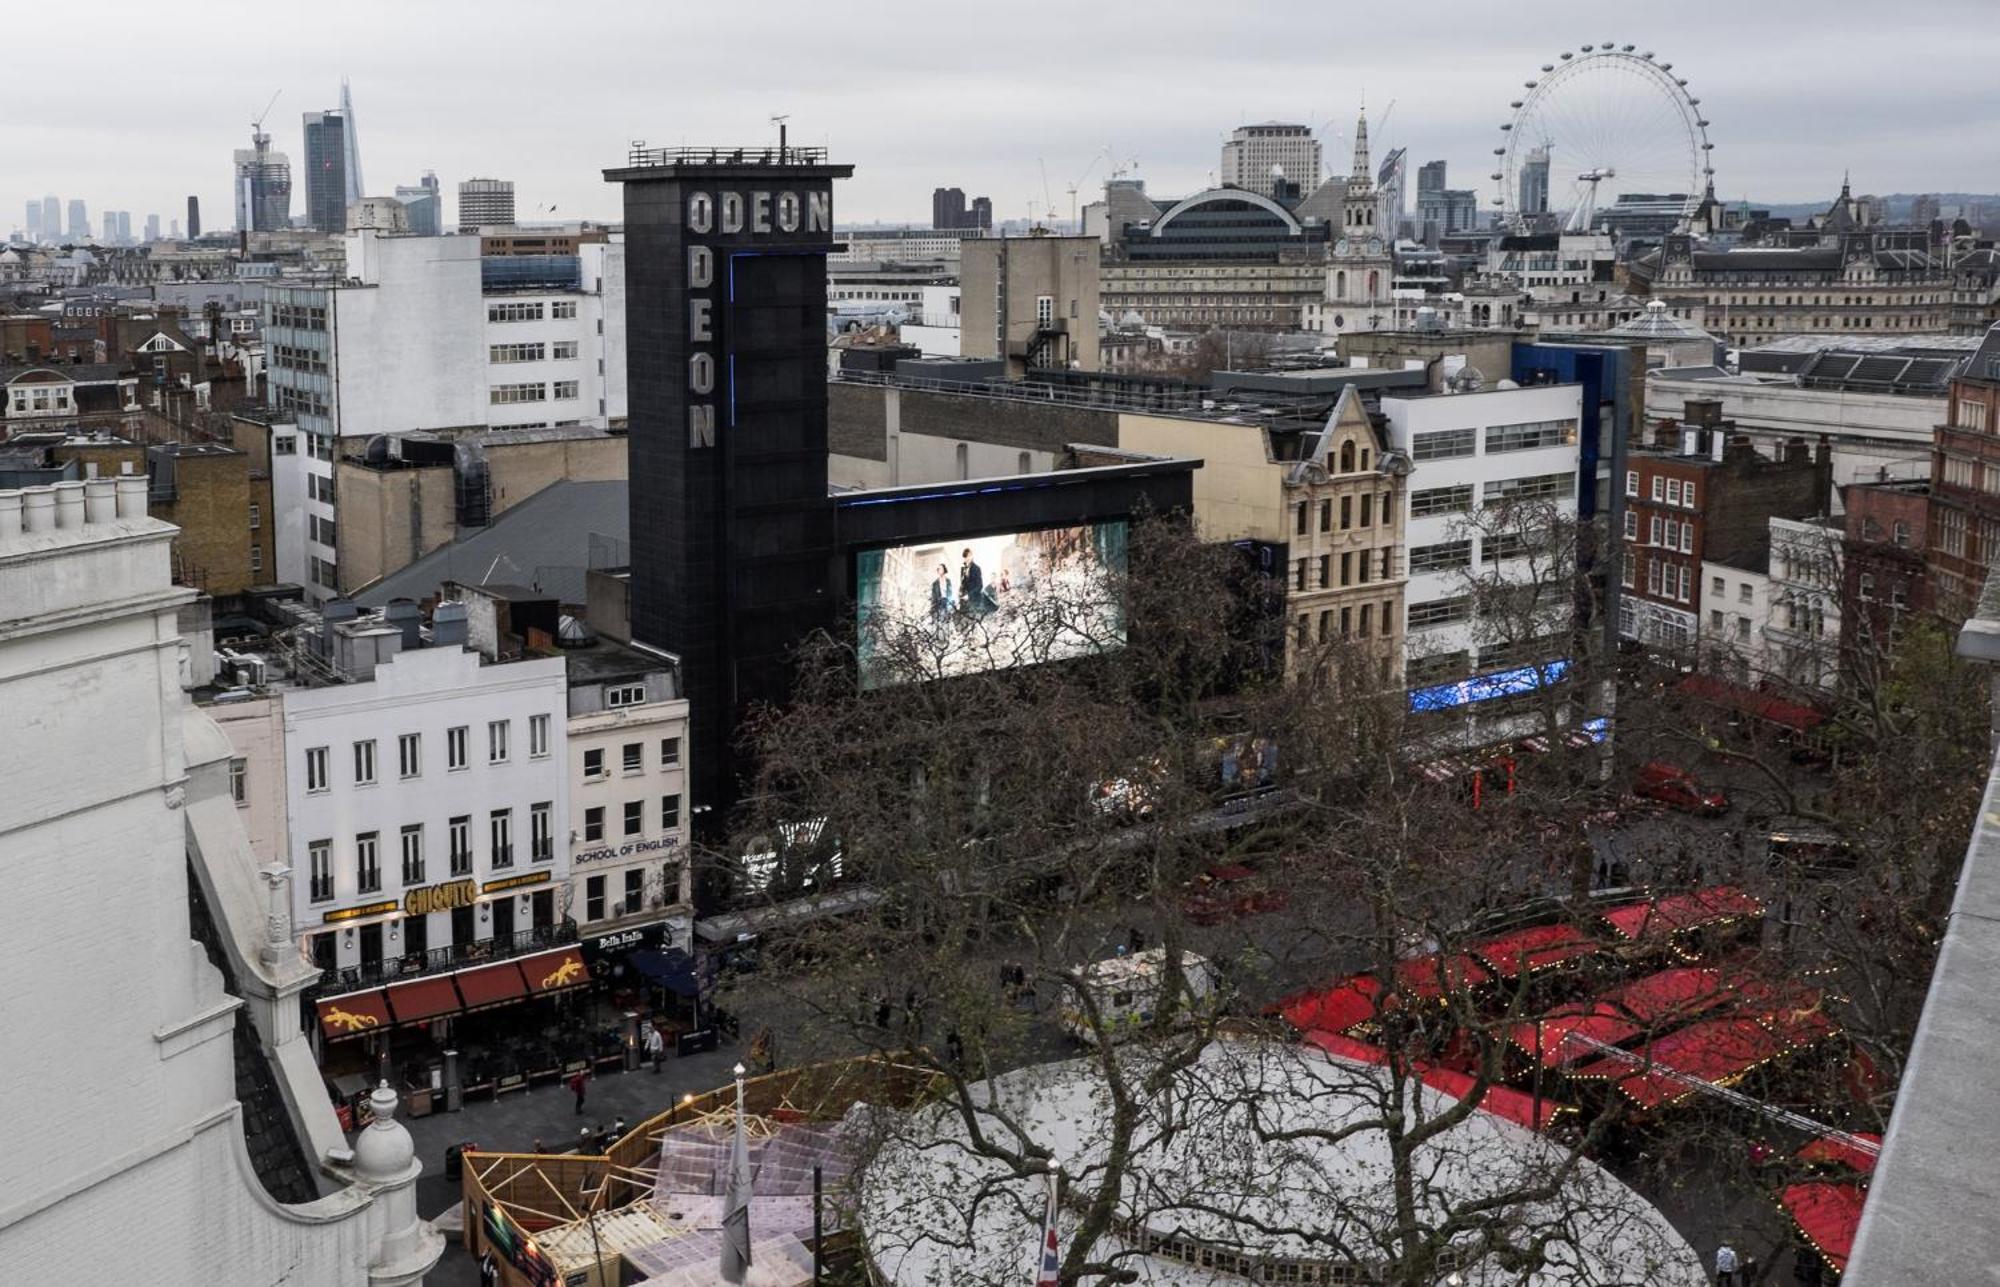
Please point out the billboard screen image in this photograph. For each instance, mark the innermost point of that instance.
(959, 605)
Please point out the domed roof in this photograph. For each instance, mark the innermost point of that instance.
(383, 1151)
(571, 632)
(1658, 324)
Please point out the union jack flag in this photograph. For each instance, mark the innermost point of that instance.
(1047, 1271)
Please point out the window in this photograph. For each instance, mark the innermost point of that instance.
(1632, 482)
(1346, 512)
(538, 737)
(632, 757)
(238, 781)
(1298, 574)
(1687, 538)
(515, 312)
(1347, 567)
(409, 755)
(1687, 493)
(561, 309)
(1536, 488)
(1503, 545)
(459, 837)
(316, 777)
(1659, 489)
(670, 752)
(500, 354)
(1326, 515)
(1443, 444)
(1367, 611)
(368, 862)
(1325, 571)
(256, 558)
(1867, 585)
(635, 889)
(1673, 491)
(496, 741)
(1743, 629)
(541, 831)
(624, 695)
(501, 828)
(501, 395)
(413, 854)
(635, 817)
(285, 445)
(1299, 525)
(563, 350)
(1631, 525)
(593, 764)
(593, 822)
(256, 517)
(1901, 532)
(1440, 612)
(1686, 583)
(565, 391)
(1715, 619)
(593, 899)
(454, 747)
(1652, 576)
(320, 862)
(1530, 436)
(1441, 500)
(1442, 556)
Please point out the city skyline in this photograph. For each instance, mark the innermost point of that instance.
(1785, 129)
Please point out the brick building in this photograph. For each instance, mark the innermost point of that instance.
(1886, 576)
(1965, 483)
(1704, 494)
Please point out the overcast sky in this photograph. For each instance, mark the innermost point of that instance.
(147, 107)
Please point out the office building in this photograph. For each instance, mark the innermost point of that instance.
(1534, 194)
(79, 221)
(727, 584)
(152, 228)
(262, 186)
(326, 171)
(194, 217)
(950, 210)
(1443, 211)
(52, 226)
(1032, 301)
(485, 203)
(34, 223)
(124, 227)
(1256, 154)
(424, 206)
(430, 334)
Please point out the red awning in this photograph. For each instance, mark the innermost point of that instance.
(491, 985)
(1360, 1052)
(354, 1015)
(1672, 994)
(1652, 1003)
(1677, 912)
(1828, 1215)
(554, 971)
(1347, 1003)
(1764, 706)
(1516, 1106)
(1717, 1051)
(1598, 1021)
(1428, 978)
(1829, 1150)
(422, 1000)
(1534, 948)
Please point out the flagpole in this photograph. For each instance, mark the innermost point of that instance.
(736, 1205)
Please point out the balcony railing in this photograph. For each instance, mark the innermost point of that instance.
(765, 154)
(440, 960)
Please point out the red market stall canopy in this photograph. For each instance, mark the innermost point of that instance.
(1649, 1004)
(1772, 710)
(1535, 948)
(1347, 1003)
(1832, 1150)
(1360, 1052)
(354, 1015)
(554, 971)
(1717, 1051)
(1828, 1215)
(1516, 1106)
(1676, 912)
(1430, 978)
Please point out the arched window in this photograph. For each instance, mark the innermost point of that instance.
(1374, 284)
(1347, 457)
(1340, 285)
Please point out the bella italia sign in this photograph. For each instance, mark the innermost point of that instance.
(731, 214)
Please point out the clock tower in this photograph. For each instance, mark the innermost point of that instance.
(1359, 266)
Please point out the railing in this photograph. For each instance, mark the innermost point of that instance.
(644, 157)
(441, 960)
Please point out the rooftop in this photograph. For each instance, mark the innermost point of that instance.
(544, 543)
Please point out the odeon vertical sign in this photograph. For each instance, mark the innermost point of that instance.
(734, 217)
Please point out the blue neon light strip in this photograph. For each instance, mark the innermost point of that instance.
(1485, 688)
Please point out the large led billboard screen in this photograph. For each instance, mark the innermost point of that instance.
(959, 605)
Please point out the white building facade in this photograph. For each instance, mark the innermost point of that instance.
(628, 850)
(134, 1161)
(427, 808)
(1477, 458)
(426, 333)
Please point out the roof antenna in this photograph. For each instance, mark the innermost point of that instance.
(779, 121)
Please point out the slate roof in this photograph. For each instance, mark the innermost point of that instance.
(543, 543)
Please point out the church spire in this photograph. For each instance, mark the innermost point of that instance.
(1361, 173)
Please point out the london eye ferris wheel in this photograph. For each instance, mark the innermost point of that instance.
(1601, 122)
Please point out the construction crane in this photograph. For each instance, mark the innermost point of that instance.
(1102, 153)
(1048, 199)
(257, 122)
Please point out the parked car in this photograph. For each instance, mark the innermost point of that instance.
(1228, 892)
(1674, 786)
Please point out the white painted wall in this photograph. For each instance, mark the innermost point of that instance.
(658, 850)
(1410, 417)
(1869, 431)
(427, 692)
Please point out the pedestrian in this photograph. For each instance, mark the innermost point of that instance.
(656, 1047)
(577, 1081)
(1135, 942)
(538, 1145)
(1725, 1267)
(489, 1271)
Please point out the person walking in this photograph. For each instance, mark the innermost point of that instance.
(1726, 1267)
(656, 1047)
(578, 1080)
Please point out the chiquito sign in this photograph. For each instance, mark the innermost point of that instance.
(734, 215)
